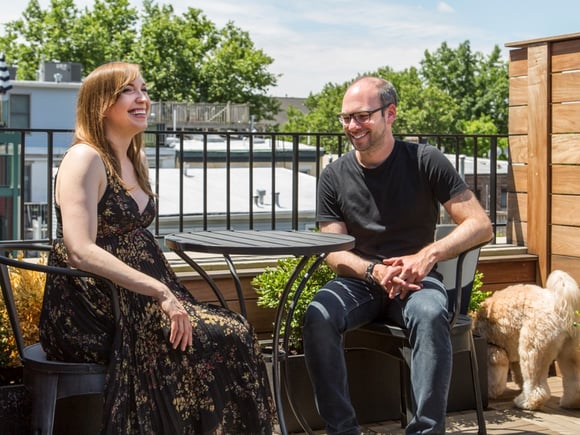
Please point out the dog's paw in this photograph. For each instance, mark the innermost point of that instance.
(533, 401)
(497, 371)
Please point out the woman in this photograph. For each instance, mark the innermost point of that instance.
(176, 366)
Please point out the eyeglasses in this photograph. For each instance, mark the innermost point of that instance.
(360, 117)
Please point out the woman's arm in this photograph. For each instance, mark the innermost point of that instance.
(81, 183)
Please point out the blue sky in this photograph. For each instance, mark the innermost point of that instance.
(315, 42)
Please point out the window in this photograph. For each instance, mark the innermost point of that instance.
(19, 111)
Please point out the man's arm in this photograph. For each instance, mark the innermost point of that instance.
(473, 228)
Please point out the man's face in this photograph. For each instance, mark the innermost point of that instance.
(364, 120)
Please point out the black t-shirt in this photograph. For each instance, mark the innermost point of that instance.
(391, 210)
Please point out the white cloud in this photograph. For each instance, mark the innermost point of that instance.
(444, 7)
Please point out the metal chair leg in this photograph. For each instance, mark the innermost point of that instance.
(476, 387)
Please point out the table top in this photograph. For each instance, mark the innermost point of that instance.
(259, 242)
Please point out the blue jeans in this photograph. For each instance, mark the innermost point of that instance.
(344, 304)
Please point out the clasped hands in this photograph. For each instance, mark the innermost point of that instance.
(402, 275)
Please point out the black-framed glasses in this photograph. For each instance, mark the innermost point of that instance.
(360, 117)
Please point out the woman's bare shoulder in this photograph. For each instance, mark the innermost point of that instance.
(82, 154)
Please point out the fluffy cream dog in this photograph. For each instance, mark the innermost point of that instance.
(527, 328)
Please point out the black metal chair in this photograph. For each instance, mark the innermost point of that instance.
(47, 380)
(458, 273)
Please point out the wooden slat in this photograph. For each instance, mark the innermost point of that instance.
(566, 55)
(565, 179)
(518, 145)
(565, 118)
(518, 120)
(538, 148)
(517, 232)
(565, 86)
(570, 265)
(566, 148)
(565, 241)
(518, 65)
(566, 210)
(517, 206)
(518, 178)
(518, 91)
(499, 272)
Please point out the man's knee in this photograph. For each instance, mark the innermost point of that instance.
(323, 313)
(428, 308)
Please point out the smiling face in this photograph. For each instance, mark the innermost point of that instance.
(374, 131)
(130, 111)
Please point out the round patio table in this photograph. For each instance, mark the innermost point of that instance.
(303, 244)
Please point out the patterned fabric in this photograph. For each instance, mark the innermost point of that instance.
(218, 385)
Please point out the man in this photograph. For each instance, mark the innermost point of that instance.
(386, 193)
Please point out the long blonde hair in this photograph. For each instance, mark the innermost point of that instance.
(99, 91)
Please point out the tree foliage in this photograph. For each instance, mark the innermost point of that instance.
(183, 57)
(453, 91)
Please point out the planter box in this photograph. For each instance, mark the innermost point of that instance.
(78, 415)
(375, 397)
(14, 402)
(375, 388)
(15, 410)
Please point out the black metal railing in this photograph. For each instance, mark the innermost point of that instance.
(267, 180)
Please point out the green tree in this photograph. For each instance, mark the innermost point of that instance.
(453, 90)
(183, 58)
(421, 108)
(492, 90)
(483, 126)
(322, 116)
(237, 72)
(171, 50)
(40, 36)
(104, 33)
(478, 84)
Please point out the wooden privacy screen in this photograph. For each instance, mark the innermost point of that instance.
(544, 143)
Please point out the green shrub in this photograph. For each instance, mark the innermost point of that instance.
(270, 284)
(28, 289)
(477, 295)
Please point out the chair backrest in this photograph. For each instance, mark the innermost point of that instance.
(8, 292)
(6, 284)
(461, 268)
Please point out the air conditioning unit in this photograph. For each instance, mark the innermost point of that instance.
(61, 72)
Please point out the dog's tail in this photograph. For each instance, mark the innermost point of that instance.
(566, 292)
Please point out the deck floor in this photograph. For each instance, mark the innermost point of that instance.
(502, 418)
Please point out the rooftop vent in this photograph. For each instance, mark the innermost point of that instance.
(66, 72)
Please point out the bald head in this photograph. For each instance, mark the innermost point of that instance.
(378, 86)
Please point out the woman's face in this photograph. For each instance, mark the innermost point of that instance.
(130, 112)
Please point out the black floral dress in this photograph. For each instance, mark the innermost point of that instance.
(218, 385)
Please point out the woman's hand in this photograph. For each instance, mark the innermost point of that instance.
(181, 330)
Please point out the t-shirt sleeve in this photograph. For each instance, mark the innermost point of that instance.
(328, 201)
(443, 178)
